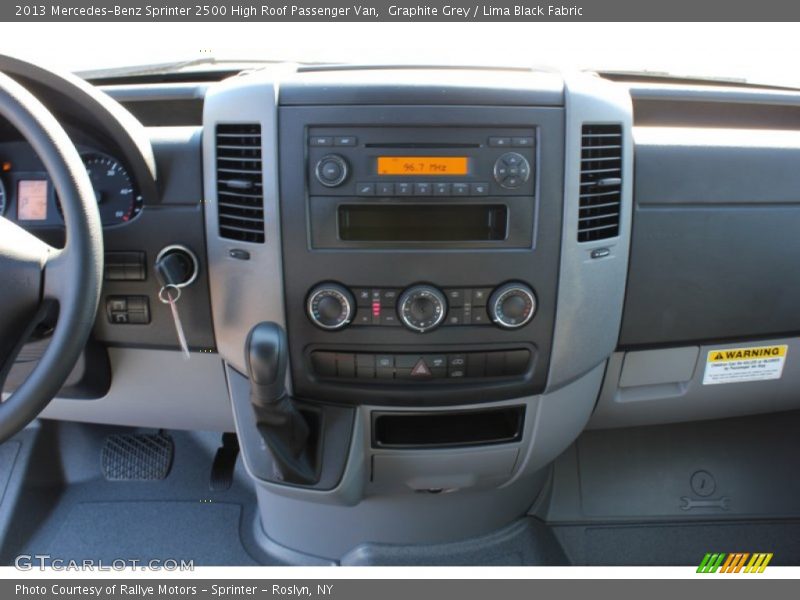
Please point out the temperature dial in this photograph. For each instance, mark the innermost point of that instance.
(422, 308)
(330, 306)
(512, 305)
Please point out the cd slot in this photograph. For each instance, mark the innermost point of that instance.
(428, 145)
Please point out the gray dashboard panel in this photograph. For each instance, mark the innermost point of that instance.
(156, 388)
(591, 291)
(714, 243)
(666, 386)
(243, 292)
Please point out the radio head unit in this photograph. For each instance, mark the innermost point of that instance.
(421, 187)
(421, 162)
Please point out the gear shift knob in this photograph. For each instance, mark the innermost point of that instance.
(266, 354)
(282, 426)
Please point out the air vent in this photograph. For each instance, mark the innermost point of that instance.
(601, 182)
(240, 194)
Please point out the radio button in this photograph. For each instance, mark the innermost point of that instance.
(320, 140)
(385, 189)
(511, 170)
(461, 189)
(441, 189)
(479, 189)
(331, 170)
(499, 142)
(522, 142)
(345, 140)
(422, 189)
(365, 189)
(404, 189)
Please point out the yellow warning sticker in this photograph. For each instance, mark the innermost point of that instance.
(736, 365)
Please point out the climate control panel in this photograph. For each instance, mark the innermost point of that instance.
(421, 307)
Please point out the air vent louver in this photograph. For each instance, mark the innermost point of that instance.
(601, 182)
(240, 194)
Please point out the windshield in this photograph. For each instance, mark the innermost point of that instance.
(740, 52)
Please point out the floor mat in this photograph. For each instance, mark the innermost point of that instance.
(207, 533)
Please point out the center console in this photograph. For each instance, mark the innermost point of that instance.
(447, 259)
(421, 261)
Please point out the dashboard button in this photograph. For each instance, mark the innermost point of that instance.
(441, 189)
(365, 366)
(479, 189)
(456, 360)
(404, 188)
(480, 296)
(385, 189)
(363, 297)
(365, 189)
(495, 364)
(436, 361)
(460, 189)
(345, 365)
(389, 319)
(384, 361)
(332, 170)
(389, 298)
(457, 297)
(522, 142)
(324, 364)
(362, 317)
(516, 362)
(480, 316)
(476, 364)
(345, 140)
(320, 140)
(499, 142)
(455, 316)
(423, 189)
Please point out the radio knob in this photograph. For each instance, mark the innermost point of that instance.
(512, 305)
(512, 170)
(422, 308)
(330, 306)
(332, 170)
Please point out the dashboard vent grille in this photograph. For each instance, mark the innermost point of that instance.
(240, 194)
(601, 182)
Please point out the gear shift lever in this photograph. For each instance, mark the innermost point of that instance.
(283, 427)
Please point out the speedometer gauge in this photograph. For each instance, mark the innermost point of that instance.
(117, 198)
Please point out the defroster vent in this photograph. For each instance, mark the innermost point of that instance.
(601, 182)
(240, 193)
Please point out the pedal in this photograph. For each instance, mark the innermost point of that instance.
(224, 463)
(137, 456)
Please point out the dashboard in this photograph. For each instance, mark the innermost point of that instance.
(424, 242)
(471, 268)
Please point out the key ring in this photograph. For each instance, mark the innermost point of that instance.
(165, 290)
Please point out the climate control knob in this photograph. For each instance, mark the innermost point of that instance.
(512, 305)
(422, 308)
(330, 306)
(332, 170)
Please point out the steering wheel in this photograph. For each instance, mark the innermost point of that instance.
(34, 275)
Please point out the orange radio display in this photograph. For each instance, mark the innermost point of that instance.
(423, 165)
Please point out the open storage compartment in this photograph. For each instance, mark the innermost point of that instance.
(447, 429)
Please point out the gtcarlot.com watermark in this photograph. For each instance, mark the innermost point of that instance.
(30, 562)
